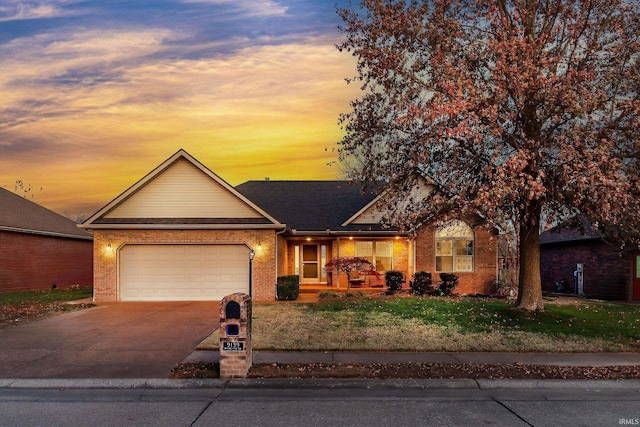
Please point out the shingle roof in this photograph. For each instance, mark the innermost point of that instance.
(309, 205)
(562, 234)
(20, 214)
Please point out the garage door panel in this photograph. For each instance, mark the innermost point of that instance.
(182, 272)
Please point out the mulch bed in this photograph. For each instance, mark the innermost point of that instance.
(415, 371)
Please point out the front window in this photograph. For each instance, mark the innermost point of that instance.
(454, 247)
(378, 253)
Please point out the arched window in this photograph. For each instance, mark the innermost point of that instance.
(454, 247)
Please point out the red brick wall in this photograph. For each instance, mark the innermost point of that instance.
(481, 280)
(606, 272)
(33, 262)
(106, 266)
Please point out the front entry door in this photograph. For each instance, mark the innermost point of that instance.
(310, 264)
(636, 276)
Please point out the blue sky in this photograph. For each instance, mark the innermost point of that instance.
(97, 93)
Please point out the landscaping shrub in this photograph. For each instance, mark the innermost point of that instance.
(421, 283)
(394, 280)
(449, 282)
(288, 287)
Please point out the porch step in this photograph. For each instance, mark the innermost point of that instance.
(321, 288)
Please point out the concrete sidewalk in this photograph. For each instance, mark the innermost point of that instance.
(551, 359)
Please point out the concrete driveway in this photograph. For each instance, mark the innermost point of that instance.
(112, 340)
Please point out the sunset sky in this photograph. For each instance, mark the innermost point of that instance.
(95, 94)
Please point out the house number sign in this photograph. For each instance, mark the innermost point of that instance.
(233, 346)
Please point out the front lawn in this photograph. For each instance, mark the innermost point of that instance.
(20, 307)
(446, 324)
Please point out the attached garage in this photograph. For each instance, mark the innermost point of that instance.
(183, 272)
(182, 233)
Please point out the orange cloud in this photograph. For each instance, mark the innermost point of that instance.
(98, 110)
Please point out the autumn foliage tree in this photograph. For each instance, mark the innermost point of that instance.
(511, 110)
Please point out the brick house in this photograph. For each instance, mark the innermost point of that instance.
(609, 271)
(182, 232)
(40, 249)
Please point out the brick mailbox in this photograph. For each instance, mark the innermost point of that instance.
(235, 336)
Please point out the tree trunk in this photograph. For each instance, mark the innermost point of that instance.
(530, 286)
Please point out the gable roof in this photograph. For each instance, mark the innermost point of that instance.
(22, 215)
(181, 193)
(311, 205)
(561, 234)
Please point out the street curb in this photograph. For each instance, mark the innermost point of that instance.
(214, 383)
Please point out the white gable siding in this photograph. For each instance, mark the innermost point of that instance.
(375, 213)
(183, 191)
(372, 215)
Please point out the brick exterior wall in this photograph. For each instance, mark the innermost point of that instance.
(236, 363)
(106, 268)
(607, 270)
(401, 255)
(484, 276)
(37, 262)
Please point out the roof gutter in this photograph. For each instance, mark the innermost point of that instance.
(45, 233)
(182, 226)
(329, 232)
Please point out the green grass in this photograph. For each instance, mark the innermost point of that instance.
(588, 319)
(445, 324)
(55, 295)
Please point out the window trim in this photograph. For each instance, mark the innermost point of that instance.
(374, 251)
(454, 253)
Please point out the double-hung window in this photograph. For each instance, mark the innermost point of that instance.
(454, 247)
(379, 253)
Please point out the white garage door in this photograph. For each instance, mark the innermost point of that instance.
(183, 272)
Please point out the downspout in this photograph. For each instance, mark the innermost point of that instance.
(338, 270)
(414, 247)
(276, 248)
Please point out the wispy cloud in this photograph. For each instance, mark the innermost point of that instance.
(90, 106)
(118, 96)
(19, 11)
(248, 7)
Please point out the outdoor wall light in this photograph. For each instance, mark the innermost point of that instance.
(109, 249)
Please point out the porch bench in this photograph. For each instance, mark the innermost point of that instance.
(357, 282)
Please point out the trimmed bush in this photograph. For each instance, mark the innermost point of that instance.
(288, 287)
(421, 283)
(449, 282)
(394, 280)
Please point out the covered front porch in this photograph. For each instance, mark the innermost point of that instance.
(311, 293)
(307, 255)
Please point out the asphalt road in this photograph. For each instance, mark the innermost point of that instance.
(335, 403)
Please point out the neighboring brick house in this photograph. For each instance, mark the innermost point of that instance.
(182, 232)
(609, 272)
(40, 249)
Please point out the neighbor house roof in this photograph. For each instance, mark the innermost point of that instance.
(311, 205)
(564, 235)
(19, 214)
